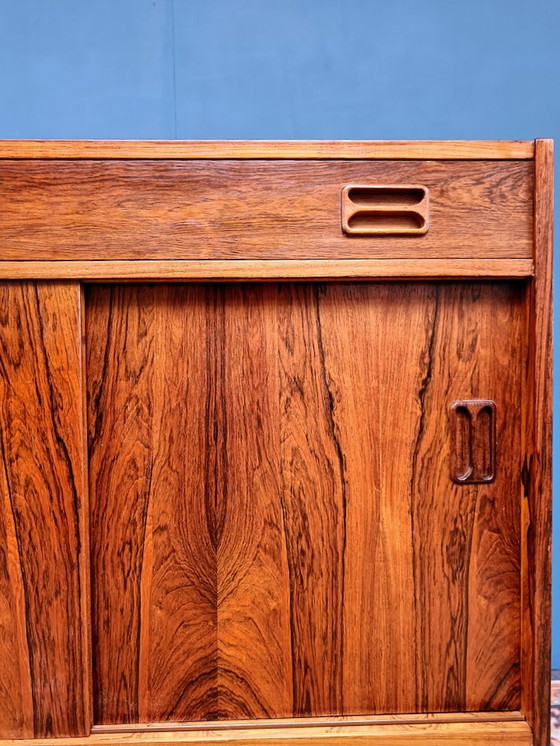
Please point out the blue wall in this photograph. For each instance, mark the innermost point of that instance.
(347, 69)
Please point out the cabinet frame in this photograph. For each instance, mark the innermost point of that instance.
(532, 722)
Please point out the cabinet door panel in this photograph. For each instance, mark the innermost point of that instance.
(275, 530)
(152, 481)
(466, 537)
(44, 605)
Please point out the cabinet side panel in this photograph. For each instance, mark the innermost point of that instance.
(537, 502)
(43, 575)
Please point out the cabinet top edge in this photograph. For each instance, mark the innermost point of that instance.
(267, 149)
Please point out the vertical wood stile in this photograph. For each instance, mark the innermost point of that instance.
(537, 504)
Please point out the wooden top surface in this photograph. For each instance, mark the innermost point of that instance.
(268, 149)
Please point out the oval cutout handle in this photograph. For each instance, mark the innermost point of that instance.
(401, 209)
(473, 441)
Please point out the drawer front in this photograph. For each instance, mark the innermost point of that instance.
(204, 209)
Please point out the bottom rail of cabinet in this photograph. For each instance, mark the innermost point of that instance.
(451, 729)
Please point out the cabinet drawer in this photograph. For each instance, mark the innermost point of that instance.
(257, 209)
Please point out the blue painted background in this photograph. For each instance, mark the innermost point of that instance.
(347, 69)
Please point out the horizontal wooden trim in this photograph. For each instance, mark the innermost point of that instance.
(254, 210)
(273, 149)
(396, 734)
(305, 722)
(239, 269)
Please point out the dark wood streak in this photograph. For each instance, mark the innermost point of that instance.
(66, 518)
(127, 518)
(18, 712)
(313, 493)
(43, 515)
(419, 631)
(342, 476)
(495, 569)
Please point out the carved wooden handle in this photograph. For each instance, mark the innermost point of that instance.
(391, 209)
(473, 441)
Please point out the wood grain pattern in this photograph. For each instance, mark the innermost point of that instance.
(164, 581)
(269, 269)
(313, 495)
(269, 475)
(471, 552)
(272, 149)
(256, 670)
(178, 618)
(44, 655)
(397, 734)
(537, 483)
(138, 210)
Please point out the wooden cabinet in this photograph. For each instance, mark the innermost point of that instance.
(275, 441)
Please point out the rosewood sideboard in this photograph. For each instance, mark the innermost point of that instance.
(275, 428)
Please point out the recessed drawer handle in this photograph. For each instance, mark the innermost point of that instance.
(380, 209)
(473, 441)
